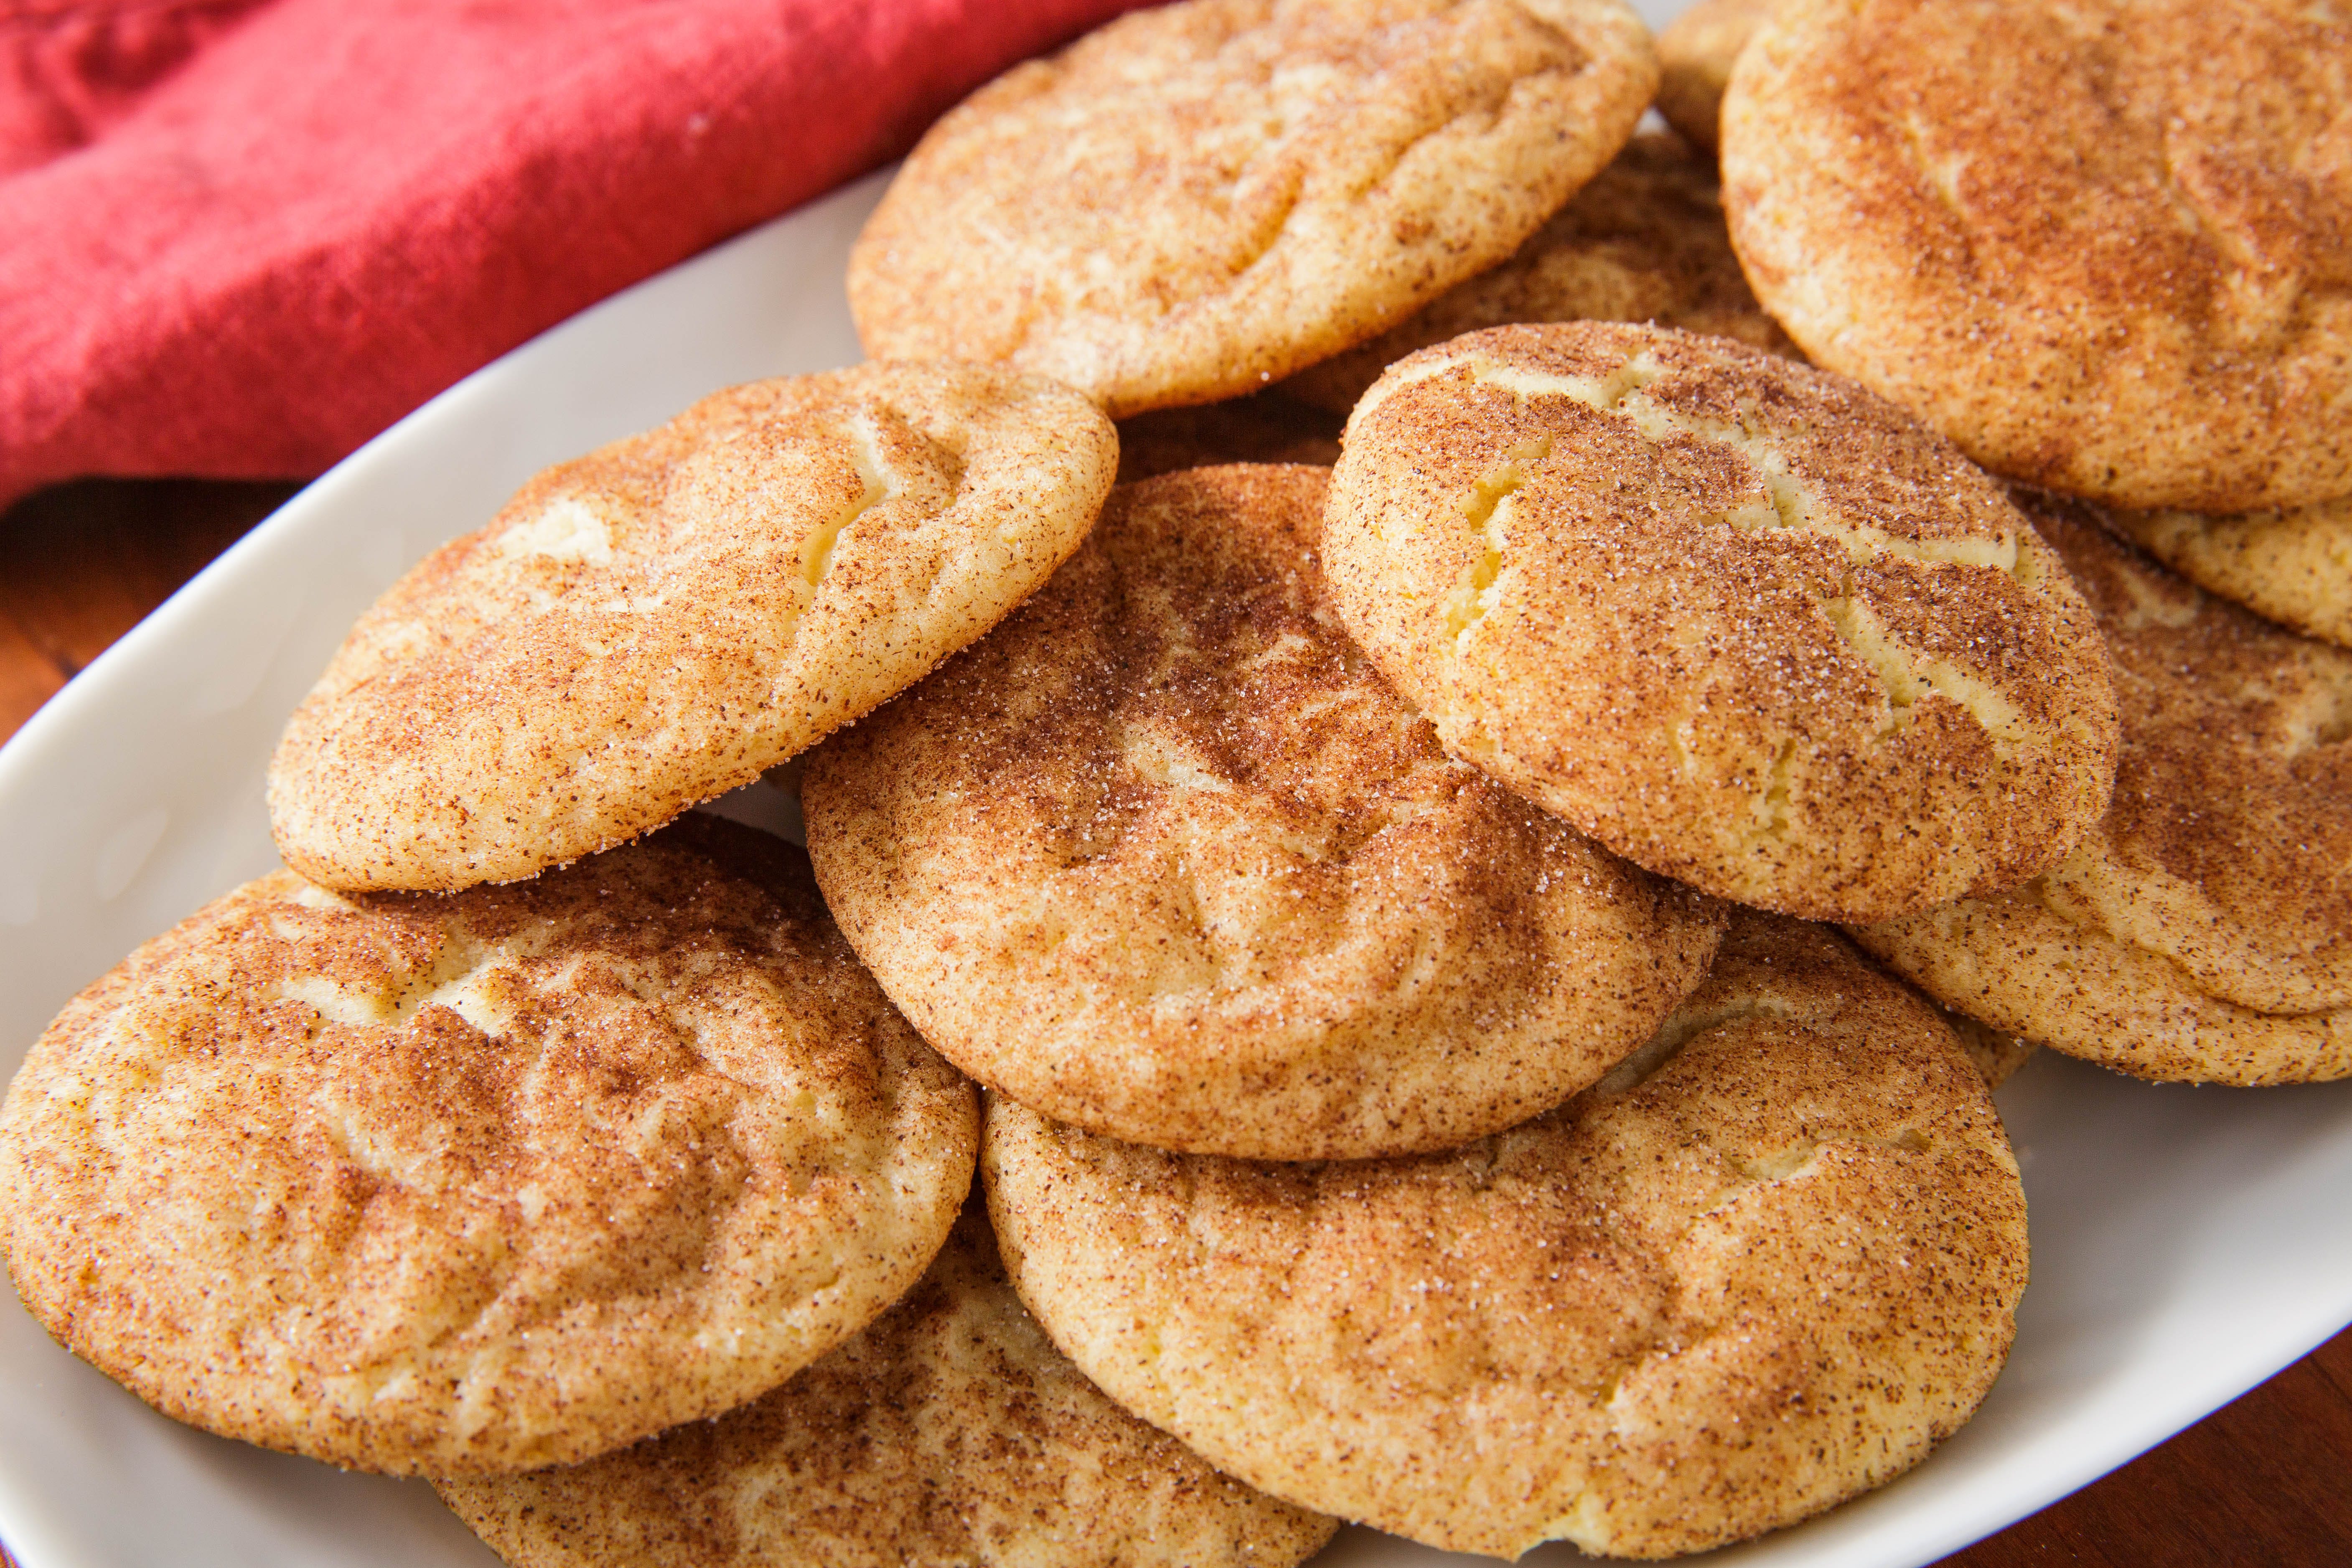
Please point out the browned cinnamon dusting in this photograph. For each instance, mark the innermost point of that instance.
(2104, 245)
(1770, 1264)
(2203, 930)
(1197, 200)
(1643, 242)
(950, 1434)
(479, 1184)
(1166, 857)
(2293, 564)
(1744, 623)
(653, 624)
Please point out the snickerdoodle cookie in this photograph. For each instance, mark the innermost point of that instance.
(1769, 1263)
(1743, 622)
(1200, 198)
(1643, 242)
(653, 624)
(1164, 856)
(950, 1434)
(479, 1184)
(2293, 565)
(2203, 930)
(1696, 53)
(2105, 245)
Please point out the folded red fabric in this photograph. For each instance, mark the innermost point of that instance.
(243, 235)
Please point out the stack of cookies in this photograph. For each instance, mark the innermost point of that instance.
(2133, 298)
(1384, 879)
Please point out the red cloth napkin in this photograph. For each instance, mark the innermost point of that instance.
(239, 237)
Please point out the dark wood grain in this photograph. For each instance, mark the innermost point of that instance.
(82, 564)
(2266, 1481)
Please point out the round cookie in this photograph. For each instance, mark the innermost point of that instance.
(653, 624)
(2202, 932)
(479, 1184)
(1643, 242)
(1770, 1263)
(950, 1434)
(2100, 244)
(1164, 856)
(2294, 566)
(1744, 623)
(1694, 58)
(1200, 198)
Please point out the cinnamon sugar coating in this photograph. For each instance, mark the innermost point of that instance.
(2292, 566)
(1743, 622)
(1166, 857)
(2203, 930)
(2105, 245)
(479, 1184)
(656, 623)
(950, 1434)
(1767, 1264)
(1643, 242)
(1200, 198)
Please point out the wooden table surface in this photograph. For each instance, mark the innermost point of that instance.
(2266, 1481)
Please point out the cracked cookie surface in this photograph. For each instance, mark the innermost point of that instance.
(2293, 565)
(484, 1183)
(1200, 198)
(1769, 1263)
(2202, 932)
(1165, 856)
(950, 1434)
(2105, 245)
(1743, 622)
(656, 623)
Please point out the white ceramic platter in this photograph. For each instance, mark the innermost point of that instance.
(2186, 1243)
